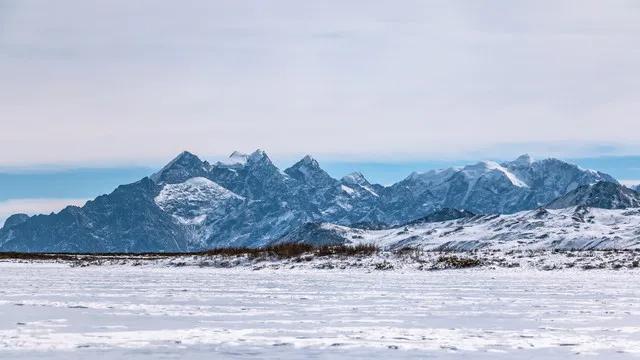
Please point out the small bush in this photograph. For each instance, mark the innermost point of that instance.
(281, 251)
(455, 262)
(385, 265)
(346, 250)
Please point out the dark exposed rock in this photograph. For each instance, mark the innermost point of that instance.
(15, 219)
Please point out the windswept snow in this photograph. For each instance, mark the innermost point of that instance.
(125, 312)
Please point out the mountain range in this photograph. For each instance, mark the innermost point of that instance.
(191, 204)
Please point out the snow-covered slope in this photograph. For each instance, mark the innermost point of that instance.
(571, 228)
(192, 201)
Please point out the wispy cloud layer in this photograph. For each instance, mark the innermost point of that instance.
(131, 81)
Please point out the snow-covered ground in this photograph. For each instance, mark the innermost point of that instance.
(50, 310)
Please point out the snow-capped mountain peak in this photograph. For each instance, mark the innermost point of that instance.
(355, 184)
(184, 166)
(524, 160)
(237, 157)
(474, 172)
(258, 156)
(309, 160)
(355, 178)
(309, 171)
(306, 162)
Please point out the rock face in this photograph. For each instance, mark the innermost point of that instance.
(127, 220)
(605, 195)
(15, 219)
(246, 200)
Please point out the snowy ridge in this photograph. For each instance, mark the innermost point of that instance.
(578, 228)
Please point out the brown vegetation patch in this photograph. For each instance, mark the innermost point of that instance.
(455, 262)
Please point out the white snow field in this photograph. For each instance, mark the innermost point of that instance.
(53, 311)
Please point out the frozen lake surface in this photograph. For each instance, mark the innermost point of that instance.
(127, 312)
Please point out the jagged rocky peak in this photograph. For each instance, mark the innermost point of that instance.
(357, 186)
(523, 160)
(603, 194)
(259, 158)
(309, 171)
(258, 162)
(308, 161)
(237, 157)
(184, 166)
(185, 158)
(258, 155)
